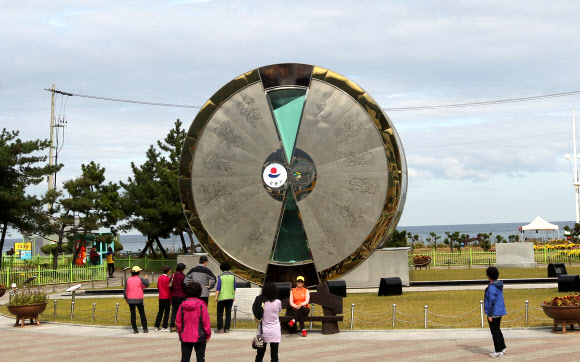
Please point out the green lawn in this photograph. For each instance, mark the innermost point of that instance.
(457, 309)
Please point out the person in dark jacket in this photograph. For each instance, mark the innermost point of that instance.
(94, 255)
(204, 276)
(134, 297)
(494, 306)
(177, 292)
(193, 324)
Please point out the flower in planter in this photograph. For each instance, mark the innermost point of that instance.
(569, 300)
(420, 258)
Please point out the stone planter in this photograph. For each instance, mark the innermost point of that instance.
(563, 314)
(421, 263)
(29, 311)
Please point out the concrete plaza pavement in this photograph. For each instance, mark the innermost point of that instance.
(57, 342)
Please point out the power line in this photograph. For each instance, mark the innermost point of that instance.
(416, 108)
(485, 103)
(125, 100)
(108, 151)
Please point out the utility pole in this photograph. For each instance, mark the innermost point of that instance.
(51, 150)
(575, 159)
(51, 157)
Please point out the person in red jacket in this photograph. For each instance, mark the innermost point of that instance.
(193, 324)
(177, 293)
(164, 299)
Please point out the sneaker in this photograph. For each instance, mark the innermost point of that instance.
(226, 331)
(496, 354)
(156, 329)
(165, 330)
(219, 331)
(304, 333)
(145, 331)
(504, 351)
(291, 323)
(135, 331)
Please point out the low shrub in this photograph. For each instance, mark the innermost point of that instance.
(27, 297)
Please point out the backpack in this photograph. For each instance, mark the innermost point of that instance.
(258, 307)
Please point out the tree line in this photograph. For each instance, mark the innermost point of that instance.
(148, 201)
(453, 240)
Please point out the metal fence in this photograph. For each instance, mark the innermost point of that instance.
(44, 276)
(35, 260)
(392, 317)
(477, 257)
(426, 318)
(18, 271)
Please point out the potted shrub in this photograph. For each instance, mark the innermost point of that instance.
(563, 309)
(27, 305)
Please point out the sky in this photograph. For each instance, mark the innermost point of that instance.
(467, 165)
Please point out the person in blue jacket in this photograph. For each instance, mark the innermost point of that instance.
(494, 309)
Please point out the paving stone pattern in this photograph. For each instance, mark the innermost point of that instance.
(58, 342)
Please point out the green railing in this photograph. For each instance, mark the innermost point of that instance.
(469, 256)
(44, 276)
(43, 260)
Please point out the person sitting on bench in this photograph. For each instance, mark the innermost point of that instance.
(299, 299)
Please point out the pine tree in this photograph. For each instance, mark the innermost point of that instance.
(172, 146)
(152, 196)
(145, 201)
(20, 168)
(85, 205)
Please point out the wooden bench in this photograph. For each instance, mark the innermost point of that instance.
(331, 307)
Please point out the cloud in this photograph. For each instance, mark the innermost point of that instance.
(402, 53)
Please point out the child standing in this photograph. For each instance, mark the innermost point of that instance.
(494, 309)
(193, 324)
(164, 299)
(110, 262)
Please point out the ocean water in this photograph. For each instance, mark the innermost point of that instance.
(137, 242)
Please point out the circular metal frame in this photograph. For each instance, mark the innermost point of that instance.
(308, 78)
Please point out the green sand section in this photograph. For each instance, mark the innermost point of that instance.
(291, 245)
(287, 105)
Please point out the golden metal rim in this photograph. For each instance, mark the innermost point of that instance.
(397, 175)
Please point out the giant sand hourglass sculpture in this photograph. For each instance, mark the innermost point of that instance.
(292, 169)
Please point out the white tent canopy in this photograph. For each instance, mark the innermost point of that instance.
(540, 224)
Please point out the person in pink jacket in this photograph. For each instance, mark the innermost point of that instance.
(193, 324)
(134, 297)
